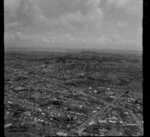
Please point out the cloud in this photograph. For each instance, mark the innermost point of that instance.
(119, 3)
(139, 34)
(133, 7)
(122, 24)
(72, 21)
(84, 21)
(11, 6)
(90, 6)
(116, 38)
(66, 38)
(25, 12)
(53, 13)
(88, 19)
(21, 40)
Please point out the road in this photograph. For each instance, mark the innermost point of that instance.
(81, 127)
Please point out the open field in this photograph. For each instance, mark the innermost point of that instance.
(72, 94)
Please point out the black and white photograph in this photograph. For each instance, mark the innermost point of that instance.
(73, 68)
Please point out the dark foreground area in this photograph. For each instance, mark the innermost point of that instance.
(72, 94)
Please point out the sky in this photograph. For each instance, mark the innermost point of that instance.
(87, 24)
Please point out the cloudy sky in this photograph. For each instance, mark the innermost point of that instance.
(98, 24)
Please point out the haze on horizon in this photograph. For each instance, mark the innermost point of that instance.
(73, 24)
